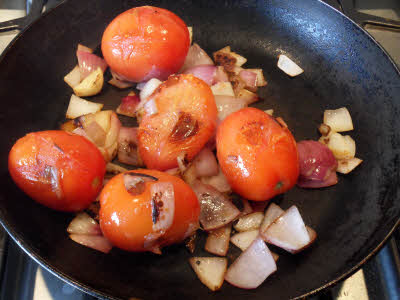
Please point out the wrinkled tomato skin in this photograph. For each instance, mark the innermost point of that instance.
(185, 122)
(145, 42)
(73, 163)
(126, 219)
(257, 155)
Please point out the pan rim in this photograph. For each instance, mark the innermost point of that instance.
(18, 239)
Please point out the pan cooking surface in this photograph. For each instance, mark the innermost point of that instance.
(343, 67)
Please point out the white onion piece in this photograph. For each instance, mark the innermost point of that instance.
(84, 224)
(195, 57)
(162, 206)
(78, 107)
(338, 119)
(218, 240)
(288, 231)
(73, 78)
(205, 163)
(345, 166)
(206, 73)
(250, 78)
(247, 96)
(288, 66)
(273, 212)
(244, 239)
(210, 270)
(252, 267)
(89, 62)
(249, 222)
(222, 89)
(150, 107)
(95, 242)
(216, 210)
(227, 105)
(149, 88)
(96, 133)
(219, 182)
(343, 147)
(80, 131)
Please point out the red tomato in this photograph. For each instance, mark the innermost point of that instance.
(145, 42)
(257, 155)
(126, 217)
(185, 121)
(57, 169)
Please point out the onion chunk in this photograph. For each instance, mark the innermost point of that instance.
(218, 240)
(288, 66)
(210, 270)
(252, 267)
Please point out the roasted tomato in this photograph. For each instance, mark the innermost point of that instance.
(145, 42)
(144, 210)
(60, 170)
(185, 120)
(257, 154)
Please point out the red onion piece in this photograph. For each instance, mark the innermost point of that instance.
(128, 106)
(84, 224)
(220, 75)
(252, 267)
(96, 242)
(206, 73)
(216, 210)
(317, 165)
(195, 57)
(250, 78)
(84, 48)
(205, 163)
(89, 62)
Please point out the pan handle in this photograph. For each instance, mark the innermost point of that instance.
(362, 19)
(35, 11)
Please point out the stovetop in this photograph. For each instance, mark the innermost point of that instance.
(23, 279)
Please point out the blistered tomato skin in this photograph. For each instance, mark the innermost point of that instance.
(145, 42)
(257, 154)
(126, 218)
(184, 123)
(57, 169)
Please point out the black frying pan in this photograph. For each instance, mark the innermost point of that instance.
(343, 67)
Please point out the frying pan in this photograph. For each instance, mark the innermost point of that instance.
(343, 67)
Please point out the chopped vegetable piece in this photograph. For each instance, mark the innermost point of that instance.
(196, 57)
(345, 166)
(273, 212)
(288, 232)
(73, 78)
(78, 107)
(244, 239)
(84, 224)
(222, 89)
(95, 242)
(216, 209)
(128, 105)
(252, 267)
(218, 240)
(210, 270)
(338, 119)
(288, 66)
(343, 147)
(91, 85)
(249, 222)
(218, 181)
